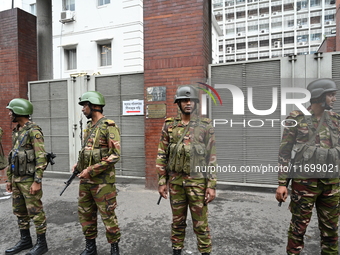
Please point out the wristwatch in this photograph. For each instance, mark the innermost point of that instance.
(37, 180)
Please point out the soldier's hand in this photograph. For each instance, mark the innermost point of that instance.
(35, 187)
(84, 174)
(9, 187)
(210, 195)
(281, 193)
(163, 191)
(74, 167)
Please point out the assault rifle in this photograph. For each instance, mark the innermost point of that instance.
(291, 165)
(159, 199)
(50, 156)
(69, 181)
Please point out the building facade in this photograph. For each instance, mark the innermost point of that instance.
(261, 29)
(93, 37)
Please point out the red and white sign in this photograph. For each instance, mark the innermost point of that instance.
(133, 107)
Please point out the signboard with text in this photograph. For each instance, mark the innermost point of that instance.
(133, 107)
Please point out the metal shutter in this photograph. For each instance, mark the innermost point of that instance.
(50, 104)
(240, 146)
(116, 89)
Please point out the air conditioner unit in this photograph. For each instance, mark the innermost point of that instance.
(239, 34)
(329, 22)
(250, 17)
(302, 43)
(229, 49)
(275, 13)
(66, 16)
(263, 31)
(263, 15)
(230, 20)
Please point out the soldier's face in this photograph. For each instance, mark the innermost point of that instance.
(187, 106)
(86, 111)
(12, 116)
(331, 98)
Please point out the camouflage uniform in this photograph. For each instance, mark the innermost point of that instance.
(100, 152)
(323, 192)
(26, 205)
(188, 188)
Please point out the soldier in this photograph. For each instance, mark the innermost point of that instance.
(96, 164)
(186, 143)
(25, 172)
(315, 139)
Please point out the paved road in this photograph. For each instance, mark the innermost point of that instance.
(242, 221)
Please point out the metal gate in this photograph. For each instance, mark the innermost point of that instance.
(241, 142)
(57, 112)
(244, 145)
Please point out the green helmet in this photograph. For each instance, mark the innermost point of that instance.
(321, 86)
(186, 92)
(20, 106)
(93, 97)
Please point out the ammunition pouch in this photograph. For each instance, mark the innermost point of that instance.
(315, 162)
(91, 157)
(186, 157)
(23, 162)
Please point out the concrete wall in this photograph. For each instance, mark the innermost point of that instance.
(18, 62)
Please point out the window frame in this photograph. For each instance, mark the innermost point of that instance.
(70, 54)
(107, 60)
(103, 4)
(69, 5)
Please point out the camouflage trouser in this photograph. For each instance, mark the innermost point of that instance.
(326, 200)
(180, 198)
(102, 197)
(27, 206)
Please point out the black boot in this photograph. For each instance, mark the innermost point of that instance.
(91, 247)
(40, 247)
(24, 243)
(114, 249)
(177, 252)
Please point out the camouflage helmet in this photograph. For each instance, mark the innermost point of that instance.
(321, 86)
(20, 106)
(93, 97)
(186, 92)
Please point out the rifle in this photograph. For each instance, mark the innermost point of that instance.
(159, 199)
(50, 156)
(69, 181)
(291, 164)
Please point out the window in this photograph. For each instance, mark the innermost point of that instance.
(277, 25)
(315, 37)
(253, 28)
(71, 59)
(68, 5)
(303, 21)
(240, 29)
(105, 54)
(301, 5)
(33, 9)
(290, 23)
(329, 17)
(314, 3)
(288, 40)
(302, 38)
(103, 2)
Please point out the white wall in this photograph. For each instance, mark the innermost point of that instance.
(22, 4)
(120, 20)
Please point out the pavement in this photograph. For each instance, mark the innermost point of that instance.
(243, 221)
